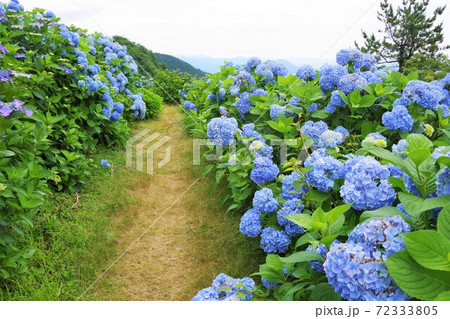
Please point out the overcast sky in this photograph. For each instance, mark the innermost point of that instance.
(286, 29)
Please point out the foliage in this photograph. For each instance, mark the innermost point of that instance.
(327, 132)
(429, 69)
(407, 31)
(63, 92)
(145, 58)
(175, 64)
(153, 101)
(168, 85)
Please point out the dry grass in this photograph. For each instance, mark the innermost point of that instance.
(194, 241)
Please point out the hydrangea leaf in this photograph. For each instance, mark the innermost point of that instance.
(443, 296)
(302, 220)
(443, 223)
(429, 248)
(415, 280)
(324, 292)
(383, 212)
(301, 256)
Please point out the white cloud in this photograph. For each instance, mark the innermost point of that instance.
(219, 28)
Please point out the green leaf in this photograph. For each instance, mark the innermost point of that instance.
(428, 248)
(333, 214)
(302, 220)
(419, 156)
(415, 280)
(382, 213)
(207, 170)
(443, 296)
(320, 114)
(418, 142)
(301, 256)
(443, 223)
(325, 292)
(317, 196)
(274, 261)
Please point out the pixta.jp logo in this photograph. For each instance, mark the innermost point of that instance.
(141, 150)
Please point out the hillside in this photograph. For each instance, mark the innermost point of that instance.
(143, 56)
(175, 64)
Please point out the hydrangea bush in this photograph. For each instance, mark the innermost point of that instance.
(360, 175)
(63, 92)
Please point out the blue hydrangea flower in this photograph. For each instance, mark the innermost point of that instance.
(248, 131)
(441, 151)
(189, 106)
(312, 108)
(345, 56)
(345, 133)
(366, 60)
(372, 77)
(330, 139)
(377, 233)
(264, 170)
(251, 223)
(443, 182)
(276, 111)
(274, 241)
(223, 111)
(221, 130)
(330, 75)
(317, 265)
(314, 129)
(288, 190)
(292, 206)
(226, 288)
(207, 294)
(263, 201)
(306, 72)
(325, 170)
(259, 92)
(350, 82)
(360, 274)
(264, 71)
(105, 163)
(269, 284)
(425, 94)
(399, 119)
(336, 99)
(243, 104)
(400, 147)
(252, 62)
(445, 110)
(280, 70)
(367, 184)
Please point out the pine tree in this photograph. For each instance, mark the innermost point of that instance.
(408, 31)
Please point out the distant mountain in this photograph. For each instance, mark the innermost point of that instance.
(212, 65)
(176, 64)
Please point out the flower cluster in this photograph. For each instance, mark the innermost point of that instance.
(350, 82)
(189, 106)
(330, 76)
(221, 130)
(377, 139)
(443, 182)
(264, 170)
(276, 111)
(367, 184)
(399, 119)
(263, 201)
(15, 107)
(306, 72)
(356, 269)
(288, 190)
(226, 288)
(290, 207)
(325, 170)
(322, 250)
(274, 241)
(314, 129)
(251, 223)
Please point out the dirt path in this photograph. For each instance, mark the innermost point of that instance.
(189, 245)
